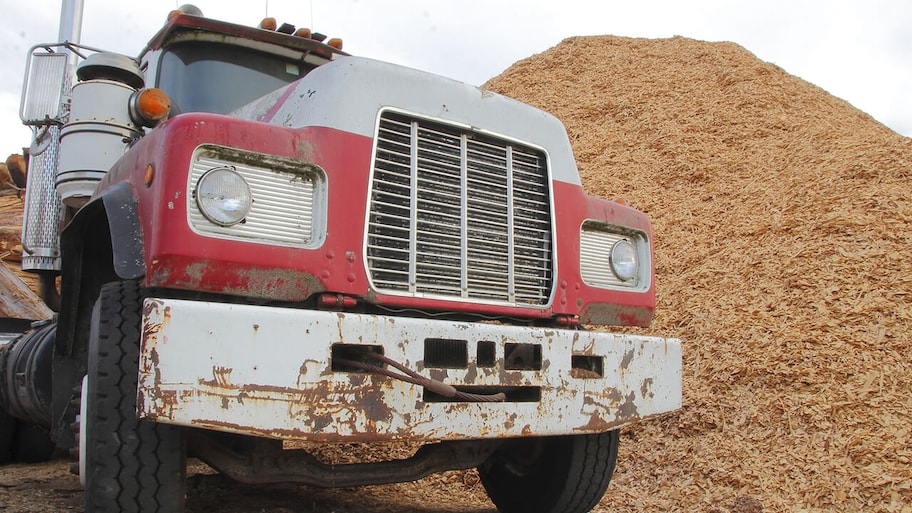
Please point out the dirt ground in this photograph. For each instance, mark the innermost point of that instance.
(49, 487)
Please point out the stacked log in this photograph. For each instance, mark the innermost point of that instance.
(19, 291)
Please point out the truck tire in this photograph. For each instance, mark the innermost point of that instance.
(132, 466)
(562, 474)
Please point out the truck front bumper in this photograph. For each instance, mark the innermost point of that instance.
(270, 372)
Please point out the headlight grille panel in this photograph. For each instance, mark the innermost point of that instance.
(458, 214)
(596, 241)
(286, 198)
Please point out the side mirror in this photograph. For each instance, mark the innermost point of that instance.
(42, 93)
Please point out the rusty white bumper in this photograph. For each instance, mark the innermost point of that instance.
(269, 371)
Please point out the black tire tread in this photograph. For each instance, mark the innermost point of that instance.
(570, 476)
(133, 466)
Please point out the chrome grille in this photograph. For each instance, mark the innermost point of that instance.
(458, 214)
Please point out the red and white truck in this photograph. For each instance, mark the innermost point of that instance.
(259, 239)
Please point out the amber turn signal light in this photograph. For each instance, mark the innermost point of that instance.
(149, 176)
(149, 107)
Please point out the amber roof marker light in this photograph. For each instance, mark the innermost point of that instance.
(185, 9)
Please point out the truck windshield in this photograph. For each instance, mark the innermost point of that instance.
(202, 77)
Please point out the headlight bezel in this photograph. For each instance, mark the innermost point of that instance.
(290, 198)
(598, 240)
(624, 261)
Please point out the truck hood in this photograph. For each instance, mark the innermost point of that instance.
(349, 94)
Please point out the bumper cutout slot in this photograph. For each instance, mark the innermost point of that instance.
(514, 394)
(486, 354)
(522, 356)
(444, 353)
(587, 367)
(352, 352)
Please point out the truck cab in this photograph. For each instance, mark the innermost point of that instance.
(206, 65)
(284, 244)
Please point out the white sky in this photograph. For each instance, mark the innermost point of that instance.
(860, 51)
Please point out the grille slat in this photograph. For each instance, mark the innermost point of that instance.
(457, 214)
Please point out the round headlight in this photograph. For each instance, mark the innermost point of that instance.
(223, 196)
(623, 260)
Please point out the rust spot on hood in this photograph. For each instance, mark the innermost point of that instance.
(279, 284)
(282, 284)
(616, 315)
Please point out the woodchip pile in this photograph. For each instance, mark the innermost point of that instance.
(783, 227)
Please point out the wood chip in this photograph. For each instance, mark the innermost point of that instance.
(783, 228)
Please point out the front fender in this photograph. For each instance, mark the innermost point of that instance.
(102, 243)
(126, 232)
(118, 204)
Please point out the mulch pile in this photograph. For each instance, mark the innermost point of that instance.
(783, 230)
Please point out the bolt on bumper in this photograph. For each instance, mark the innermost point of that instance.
(271, 372)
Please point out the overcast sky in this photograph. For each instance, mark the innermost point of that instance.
(860, 51)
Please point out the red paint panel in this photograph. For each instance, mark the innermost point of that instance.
(178, 258)
(596, 305)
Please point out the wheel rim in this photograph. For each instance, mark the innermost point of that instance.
(80, 418)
